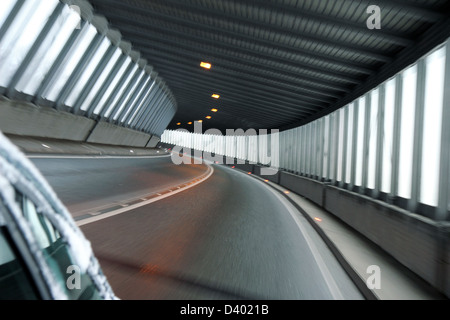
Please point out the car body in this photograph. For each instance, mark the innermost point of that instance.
(43, 253)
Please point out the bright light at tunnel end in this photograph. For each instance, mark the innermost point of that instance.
(268, 151)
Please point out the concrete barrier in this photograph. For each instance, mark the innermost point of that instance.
(247, 167)
(26, 119)
(417, 242)
(153, 142)
(107, 133)
(229, 161)
(269, 173)
(38, 145)
(309, 188)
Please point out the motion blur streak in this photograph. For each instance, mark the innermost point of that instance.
(229, 237)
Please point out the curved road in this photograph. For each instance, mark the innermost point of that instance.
(85, 184)
(229, 237)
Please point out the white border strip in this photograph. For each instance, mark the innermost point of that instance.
(94, 157)
(144, 203)
(328, 278)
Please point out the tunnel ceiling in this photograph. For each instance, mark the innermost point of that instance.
(275, 64)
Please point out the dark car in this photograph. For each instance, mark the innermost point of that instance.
(43, 253)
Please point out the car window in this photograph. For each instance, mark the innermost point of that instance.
(57, 255)
(15, 282)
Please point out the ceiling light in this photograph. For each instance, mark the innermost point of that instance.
(189, 122)
(200, 121)
(214, 110)
(208, 117)
(215, 96)
(205, 65)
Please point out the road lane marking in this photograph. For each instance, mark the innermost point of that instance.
(144, 203)
(329, 280)
(94, 157)
(326, 274)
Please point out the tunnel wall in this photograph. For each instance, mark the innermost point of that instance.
(107, 133)
(84, 81)
(391, 142)
(417, 242)
(309, 188)
(26, 119)
(153, 142)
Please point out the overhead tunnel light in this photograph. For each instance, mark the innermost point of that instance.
(205, 65)
(214, 110)
(189, 122)
(215, 96)
(179, 123)
(208, 117)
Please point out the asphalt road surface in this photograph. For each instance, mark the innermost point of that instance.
(87, 183)
(229, 237)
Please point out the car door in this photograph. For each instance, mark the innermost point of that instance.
(44, 255)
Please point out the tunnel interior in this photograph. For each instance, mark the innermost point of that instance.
(343, 103)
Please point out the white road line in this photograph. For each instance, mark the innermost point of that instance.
(143, 203)
(92, 157)
(328, 278)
